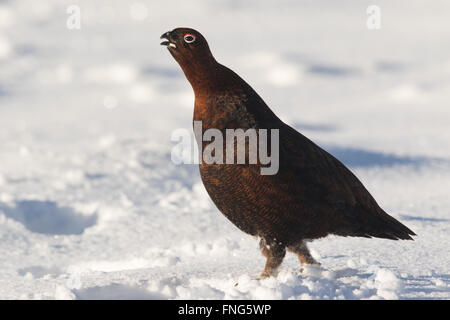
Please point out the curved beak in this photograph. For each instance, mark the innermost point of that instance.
(167, 42)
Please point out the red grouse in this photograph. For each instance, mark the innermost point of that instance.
(311, 196)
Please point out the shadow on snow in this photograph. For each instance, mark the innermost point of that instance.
(48, 217)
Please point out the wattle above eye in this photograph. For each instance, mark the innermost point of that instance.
(189, 38)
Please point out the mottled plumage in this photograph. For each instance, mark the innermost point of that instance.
(312, 195)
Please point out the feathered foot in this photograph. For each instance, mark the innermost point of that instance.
(274, 252)
(303, 254)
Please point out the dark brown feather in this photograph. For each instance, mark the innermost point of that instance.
(312, 195)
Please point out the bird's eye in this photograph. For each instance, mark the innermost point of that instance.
(189, 38)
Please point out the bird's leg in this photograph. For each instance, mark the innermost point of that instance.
(303, 254)
(274, 252)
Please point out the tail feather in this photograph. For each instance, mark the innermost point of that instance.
(385, 226)
(374, 225)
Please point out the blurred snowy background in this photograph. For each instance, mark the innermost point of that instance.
(91, 206)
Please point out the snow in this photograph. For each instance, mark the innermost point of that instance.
(91, 206)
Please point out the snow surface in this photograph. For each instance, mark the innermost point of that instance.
(91, 207)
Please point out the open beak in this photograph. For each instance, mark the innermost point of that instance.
(167, 42)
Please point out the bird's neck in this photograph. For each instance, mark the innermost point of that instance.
(202, 74)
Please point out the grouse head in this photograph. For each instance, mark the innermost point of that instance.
(191, 51)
